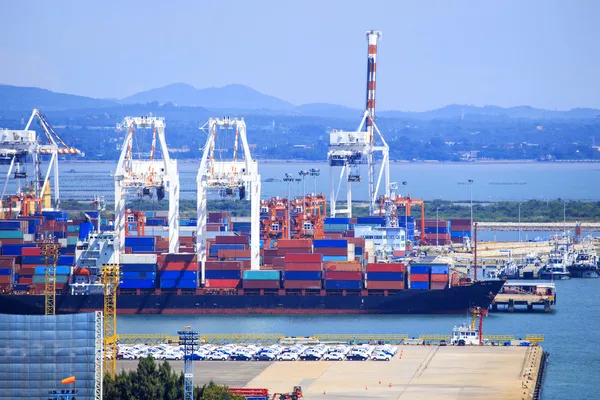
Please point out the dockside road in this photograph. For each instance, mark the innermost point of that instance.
(415, 372)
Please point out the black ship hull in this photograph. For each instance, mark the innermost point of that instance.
(452, 300)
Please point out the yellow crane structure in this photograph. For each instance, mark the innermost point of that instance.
(110, 279)
(50, 251)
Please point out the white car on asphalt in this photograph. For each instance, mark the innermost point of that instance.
(334, 357)
(381, 356)
(217, 356)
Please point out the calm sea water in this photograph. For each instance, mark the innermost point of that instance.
(571, 332)
(492, 182)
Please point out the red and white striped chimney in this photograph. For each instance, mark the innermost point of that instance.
(373, 39)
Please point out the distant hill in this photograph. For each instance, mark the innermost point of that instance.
(230, 96)
(18, 98)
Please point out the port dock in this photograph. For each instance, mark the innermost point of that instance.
(415, 372)
(531, 295)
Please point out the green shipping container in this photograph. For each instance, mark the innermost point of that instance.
(11, 234)
(42, 278)
(72, 228)
(72, 240)
(262, 275)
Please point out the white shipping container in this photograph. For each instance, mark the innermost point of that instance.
(138, 259)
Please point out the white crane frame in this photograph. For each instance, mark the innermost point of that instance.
(223, 175)
(19, 142)
(351, 148)
(135, 175)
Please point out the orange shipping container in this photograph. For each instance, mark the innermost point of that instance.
(419, 277)
(336, 266)
(227, 253)
(5, 278)
(385, 285)
(294, 243)
(439, 278)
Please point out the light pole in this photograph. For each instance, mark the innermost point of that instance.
(471, 197)
(314, 172)
(437, 226)
(190, 340)
(519, 222)
(405, 184)
(289, 179)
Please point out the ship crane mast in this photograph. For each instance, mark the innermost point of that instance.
(349, 150)
(228, 178)
(17, 146)
(140, 177)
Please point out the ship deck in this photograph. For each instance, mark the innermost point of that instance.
(415, 372)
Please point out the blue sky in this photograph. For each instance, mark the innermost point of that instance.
(542, 53)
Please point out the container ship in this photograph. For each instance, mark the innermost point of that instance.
(339, 274)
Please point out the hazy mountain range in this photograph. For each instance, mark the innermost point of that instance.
(240, 97)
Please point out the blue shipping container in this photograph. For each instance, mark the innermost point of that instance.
(84, 229)
(439, 269)
(371, 220)
(138, 275)
(419, 269)
(138, 267)
(137, 284)
(66, 260)
(6, 271)
(178, 284)
(139, 241)
(60, 270)
(223, 274)
(385, 276)
(10, 225)
(337, 221)
(330, 243)
(419, 285)
(302, 275)
(142, 249)
(335, 258)
(436, 230)
(262, 275)
(460, 234)
(14, 249)
(39, 260)
(179, 275)
(358, 251)
(21, 287)
(341, 285)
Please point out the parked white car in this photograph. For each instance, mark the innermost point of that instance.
(381, 356)
(215, 355)
(288, 356)
(334, 357)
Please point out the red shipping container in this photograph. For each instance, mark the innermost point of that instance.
(332, 235)
(302, 267)
(31, 251)
(221, 283)
(223, 265)
(344, 275)
(5, 279)
(233, 240)
(270, 252)
(233, 253)
(438, 285)
(294, 243)
(303, 258)
(439, 278)
(419, 277)
(386, 267)
(278, 262)
(385, 285)
(25, 281)
(333, 251)
(11, 241)
(283, 251)
(213, 227)
(260, 284)
(350, 266)
(178, 266)
(360, 242)
(27, 270)
(302, 284)
(7, 262)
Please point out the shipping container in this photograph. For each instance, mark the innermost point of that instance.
(11, 235)
(350, 266)
(138, 267)
(235, 254)
(343, 285)
(330, 243)
(138, 258)
(42, 278)
(335, 258)
(385, 285)
(300, 266)
(303, 258)
(385, 276)
(301, 275)
(261, 284)
(344, 275)
(60, 270)
(439, 269)
(131, 241)
(419, 269)
(178, 284)
(282, 251)
(6, 271)
(142, 249)
(137, 284)
(223, 274)
(262, 275)
(179, 275)
(439, 278)
(335, 251)
(315, 284)
(137, 275)
(223, 265)
(419, 285)
(332, 220)
(419, 277)
(381, 267)
(439, 285)
(14, 249)
(234, 239)
(294, 243)
(373, 220)
(222, 283)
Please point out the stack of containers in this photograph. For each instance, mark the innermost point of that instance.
(302, 271)
(332, 249)
(7, 273)
(385, 276)
(141, 244)
(222, 274)
(59, 216)
(11, 231)
(186, 245)
(436, 231)
(217, 222)
(373, 221)
(419, 277)
(439, 276)
(459, 228)
(343, 276)
(178, 271)
(232, 248)
(408, 223)
(262, 280)
(63, 272)
(138, 271)
(336, 225)
(295, 246)
(268, 256)
(359, 246)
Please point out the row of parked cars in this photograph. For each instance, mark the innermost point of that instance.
(274, 352)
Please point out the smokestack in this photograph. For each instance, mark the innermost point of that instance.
(372, 38)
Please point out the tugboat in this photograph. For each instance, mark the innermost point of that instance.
(468, 334)
(555, 268)
(586, 262)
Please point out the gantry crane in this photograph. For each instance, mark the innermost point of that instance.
(17, 147)
(139, 177)
(110, 279)
(50, 251)
(388, 207)
(273, 220)
(349, 150)
(228, 178)
(308, 220)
